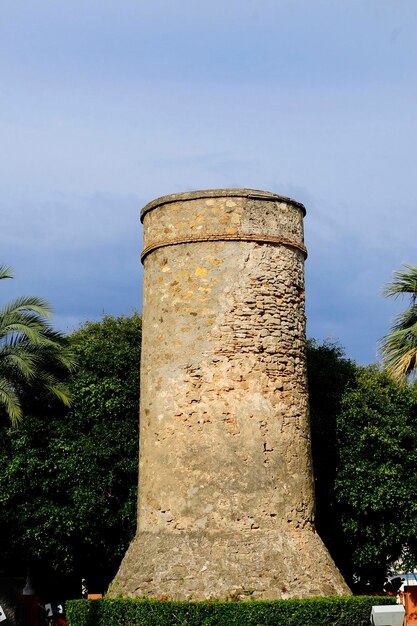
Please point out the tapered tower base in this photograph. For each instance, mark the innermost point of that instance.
(254, 565)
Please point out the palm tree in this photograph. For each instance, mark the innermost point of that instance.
(32, 354)
(399, 346)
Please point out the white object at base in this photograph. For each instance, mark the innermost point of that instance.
(388, 615)
(28, 590)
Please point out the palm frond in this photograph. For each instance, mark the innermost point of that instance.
(399, 350)
(67, 358)
(403, 283)
(10, 401)
(56, 387)
(60, 391)
(405, 320)
(6, 272)
(29, 325)
(27, 303)
(34, 358)
(17, 333)
(23, 362)
(399, 346)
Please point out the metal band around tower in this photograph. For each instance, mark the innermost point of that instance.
(258, 238)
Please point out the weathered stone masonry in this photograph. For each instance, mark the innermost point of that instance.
(226, 498)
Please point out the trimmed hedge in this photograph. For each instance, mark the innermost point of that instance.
(334, 611)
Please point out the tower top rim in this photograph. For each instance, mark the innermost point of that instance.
(255, 194)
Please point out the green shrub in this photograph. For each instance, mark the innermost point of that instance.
(335, 611)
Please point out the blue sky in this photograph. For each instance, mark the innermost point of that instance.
(105, 105)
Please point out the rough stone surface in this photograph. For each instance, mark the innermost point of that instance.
(226, 500)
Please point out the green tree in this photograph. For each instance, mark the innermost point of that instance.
(32, 354)
(105, 415)
(68, 478)
(364, 445)
(330, 374)
(376, 481)
(399, 346)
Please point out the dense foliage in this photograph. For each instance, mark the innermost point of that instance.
(352, 611)
(376, 480)
(364, 441)
(68, 478)
(330, 374)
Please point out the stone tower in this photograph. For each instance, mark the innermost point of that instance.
(226, 498)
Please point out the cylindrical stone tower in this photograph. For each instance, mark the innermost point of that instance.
(226, 498)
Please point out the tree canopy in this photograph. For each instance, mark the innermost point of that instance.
(330, 374)
(68, 478)
(376, 481)
(364, 441)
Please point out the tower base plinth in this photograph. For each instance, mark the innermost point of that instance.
(198, 566)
